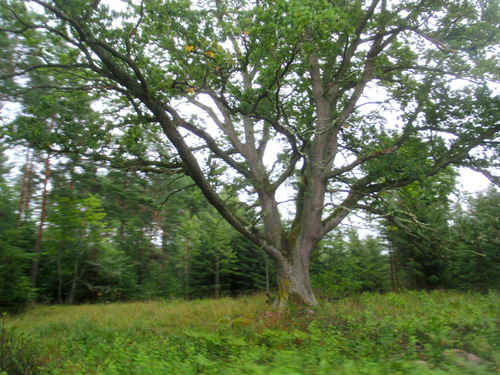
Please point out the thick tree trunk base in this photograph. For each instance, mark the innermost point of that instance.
(294, 287)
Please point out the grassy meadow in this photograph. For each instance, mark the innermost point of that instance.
(407, 333)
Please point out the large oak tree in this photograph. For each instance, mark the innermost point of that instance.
(332, 101)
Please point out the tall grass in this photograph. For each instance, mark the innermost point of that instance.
(413, 332)
(18, 353)
(164, 316)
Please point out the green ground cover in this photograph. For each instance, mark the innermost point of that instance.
(407, 333)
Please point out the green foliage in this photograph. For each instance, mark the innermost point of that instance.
(15, 289)
(416, 226)
(346, 265)
(86, 265)
(281, 74)
(409, 333)
(121, 236)
(213, 263)
(19, 354)
(211, 258)
(251, 273)
(475, 260)
(432, 245)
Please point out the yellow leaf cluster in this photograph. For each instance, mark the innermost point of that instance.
(210, 54)
(189, 48)
(191, 90)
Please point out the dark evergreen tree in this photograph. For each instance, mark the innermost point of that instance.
(214, 258)
(253, 271)
(15, 290)
(346, 264)
(417, 230)
(475, 259)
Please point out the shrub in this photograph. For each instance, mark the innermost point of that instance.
(18, 354)
(15, 290)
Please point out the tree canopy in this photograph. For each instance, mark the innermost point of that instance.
(334, 102)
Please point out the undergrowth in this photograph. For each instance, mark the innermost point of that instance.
(18, 354)
(408, 333)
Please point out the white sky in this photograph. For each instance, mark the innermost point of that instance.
(472, 181)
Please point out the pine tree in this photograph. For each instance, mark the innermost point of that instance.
(15, 290)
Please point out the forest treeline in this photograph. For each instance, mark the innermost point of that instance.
(71, 232)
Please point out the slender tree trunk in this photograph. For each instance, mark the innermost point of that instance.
(481, 266)
(79, 255)
(72, 292)
(59, 275)
(186, 269)
(122, 231)
(38, 243)
(124, 207)
(217, 276)
(25, 191)
(391, 263)
(164, 250)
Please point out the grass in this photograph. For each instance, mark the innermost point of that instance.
(408, 333)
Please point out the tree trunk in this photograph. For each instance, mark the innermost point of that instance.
(268, 278)
(25, 191)
(294, 284)
(186, 269)
(217, 275)
(393, 273)
(481, 267)
(71, 295)
(38, 243)
(164, 250)
(59, 274)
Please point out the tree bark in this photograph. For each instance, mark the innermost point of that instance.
(217, 276)
(25, 191)
(268, 281)
(74, 280)
(38, 243)
(186, 269)
(294, 284)
(59, 274)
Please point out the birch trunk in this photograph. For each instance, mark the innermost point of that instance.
(38, 243)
